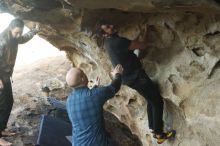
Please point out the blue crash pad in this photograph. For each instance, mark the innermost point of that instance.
(54, 132)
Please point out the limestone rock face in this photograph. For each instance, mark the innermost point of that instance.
(182, 57)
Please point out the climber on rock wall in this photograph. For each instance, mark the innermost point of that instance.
(121, 51)
(85, 108)
(9, 40)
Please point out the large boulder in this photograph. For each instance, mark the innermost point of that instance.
(182, 57)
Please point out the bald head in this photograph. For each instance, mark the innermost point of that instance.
(75, 77)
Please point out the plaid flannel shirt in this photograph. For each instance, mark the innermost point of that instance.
(85, 110)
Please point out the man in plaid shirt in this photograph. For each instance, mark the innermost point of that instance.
(85, 108)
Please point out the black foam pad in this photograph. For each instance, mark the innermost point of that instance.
(54, 132)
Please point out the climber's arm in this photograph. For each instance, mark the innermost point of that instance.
(29, 35)
(26, 37)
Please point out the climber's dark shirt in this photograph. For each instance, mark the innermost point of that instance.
(118, 52)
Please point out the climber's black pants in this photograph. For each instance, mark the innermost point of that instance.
(144, 85)
(6, 102)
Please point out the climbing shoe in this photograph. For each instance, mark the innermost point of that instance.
(163, 137)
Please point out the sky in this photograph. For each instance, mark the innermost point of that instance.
(30, 52)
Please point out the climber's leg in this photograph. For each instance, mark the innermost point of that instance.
(6, 102)
(150, 92)
(150, 115)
